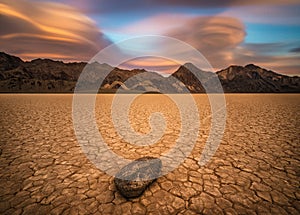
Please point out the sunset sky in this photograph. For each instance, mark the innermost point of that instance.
(263, 32)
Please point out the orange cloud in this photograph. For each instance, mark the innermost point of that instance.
(48, 29)
(151, 63)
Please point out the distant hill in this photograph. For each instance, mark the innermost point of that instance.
(253, 79)
(48, 76)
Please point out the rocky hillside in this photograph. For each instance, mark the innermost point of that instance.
(48, 76)
(253, 79)
(37, 75)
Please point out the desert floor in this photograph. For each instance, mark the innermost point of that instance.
(256, 169)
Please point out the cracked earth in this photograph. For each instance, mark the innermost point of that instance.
(255, 170)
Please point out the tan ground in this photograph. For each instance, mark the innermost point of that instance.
(256, 169)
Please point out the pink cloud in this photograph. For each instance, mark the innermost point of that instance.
(151, 63)
(158, 24)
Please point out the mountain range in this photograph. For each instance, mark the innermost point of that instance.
(49, 76)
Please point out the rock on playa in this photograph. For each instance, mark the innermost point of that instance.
(133, 179)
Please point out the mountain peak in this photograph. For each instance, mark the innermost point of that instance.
(7, 57)
(252, 66)
(41, 60)
(189, 64)
(9, 62)
(191, 67)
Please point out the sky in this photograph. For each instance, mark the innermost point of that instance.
(232, 32)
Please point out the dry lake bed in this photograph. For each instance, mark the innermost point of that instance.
(256, 169)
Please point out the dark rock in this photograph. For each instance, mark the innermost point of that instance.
(9, 62)
(133, 179)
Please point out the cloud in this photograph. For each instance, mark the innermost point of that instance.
(151, 63)
(277, 14)
(104, 6)
(222, 42)
(220, 39)
(48, 30)
(220, 3)
(296, 50)
(223, 4)
(158, 24)
(211, 33)
(215, 37)
(273, 59)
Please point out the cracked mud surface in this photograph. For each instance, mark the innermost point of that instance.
(256, 169)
